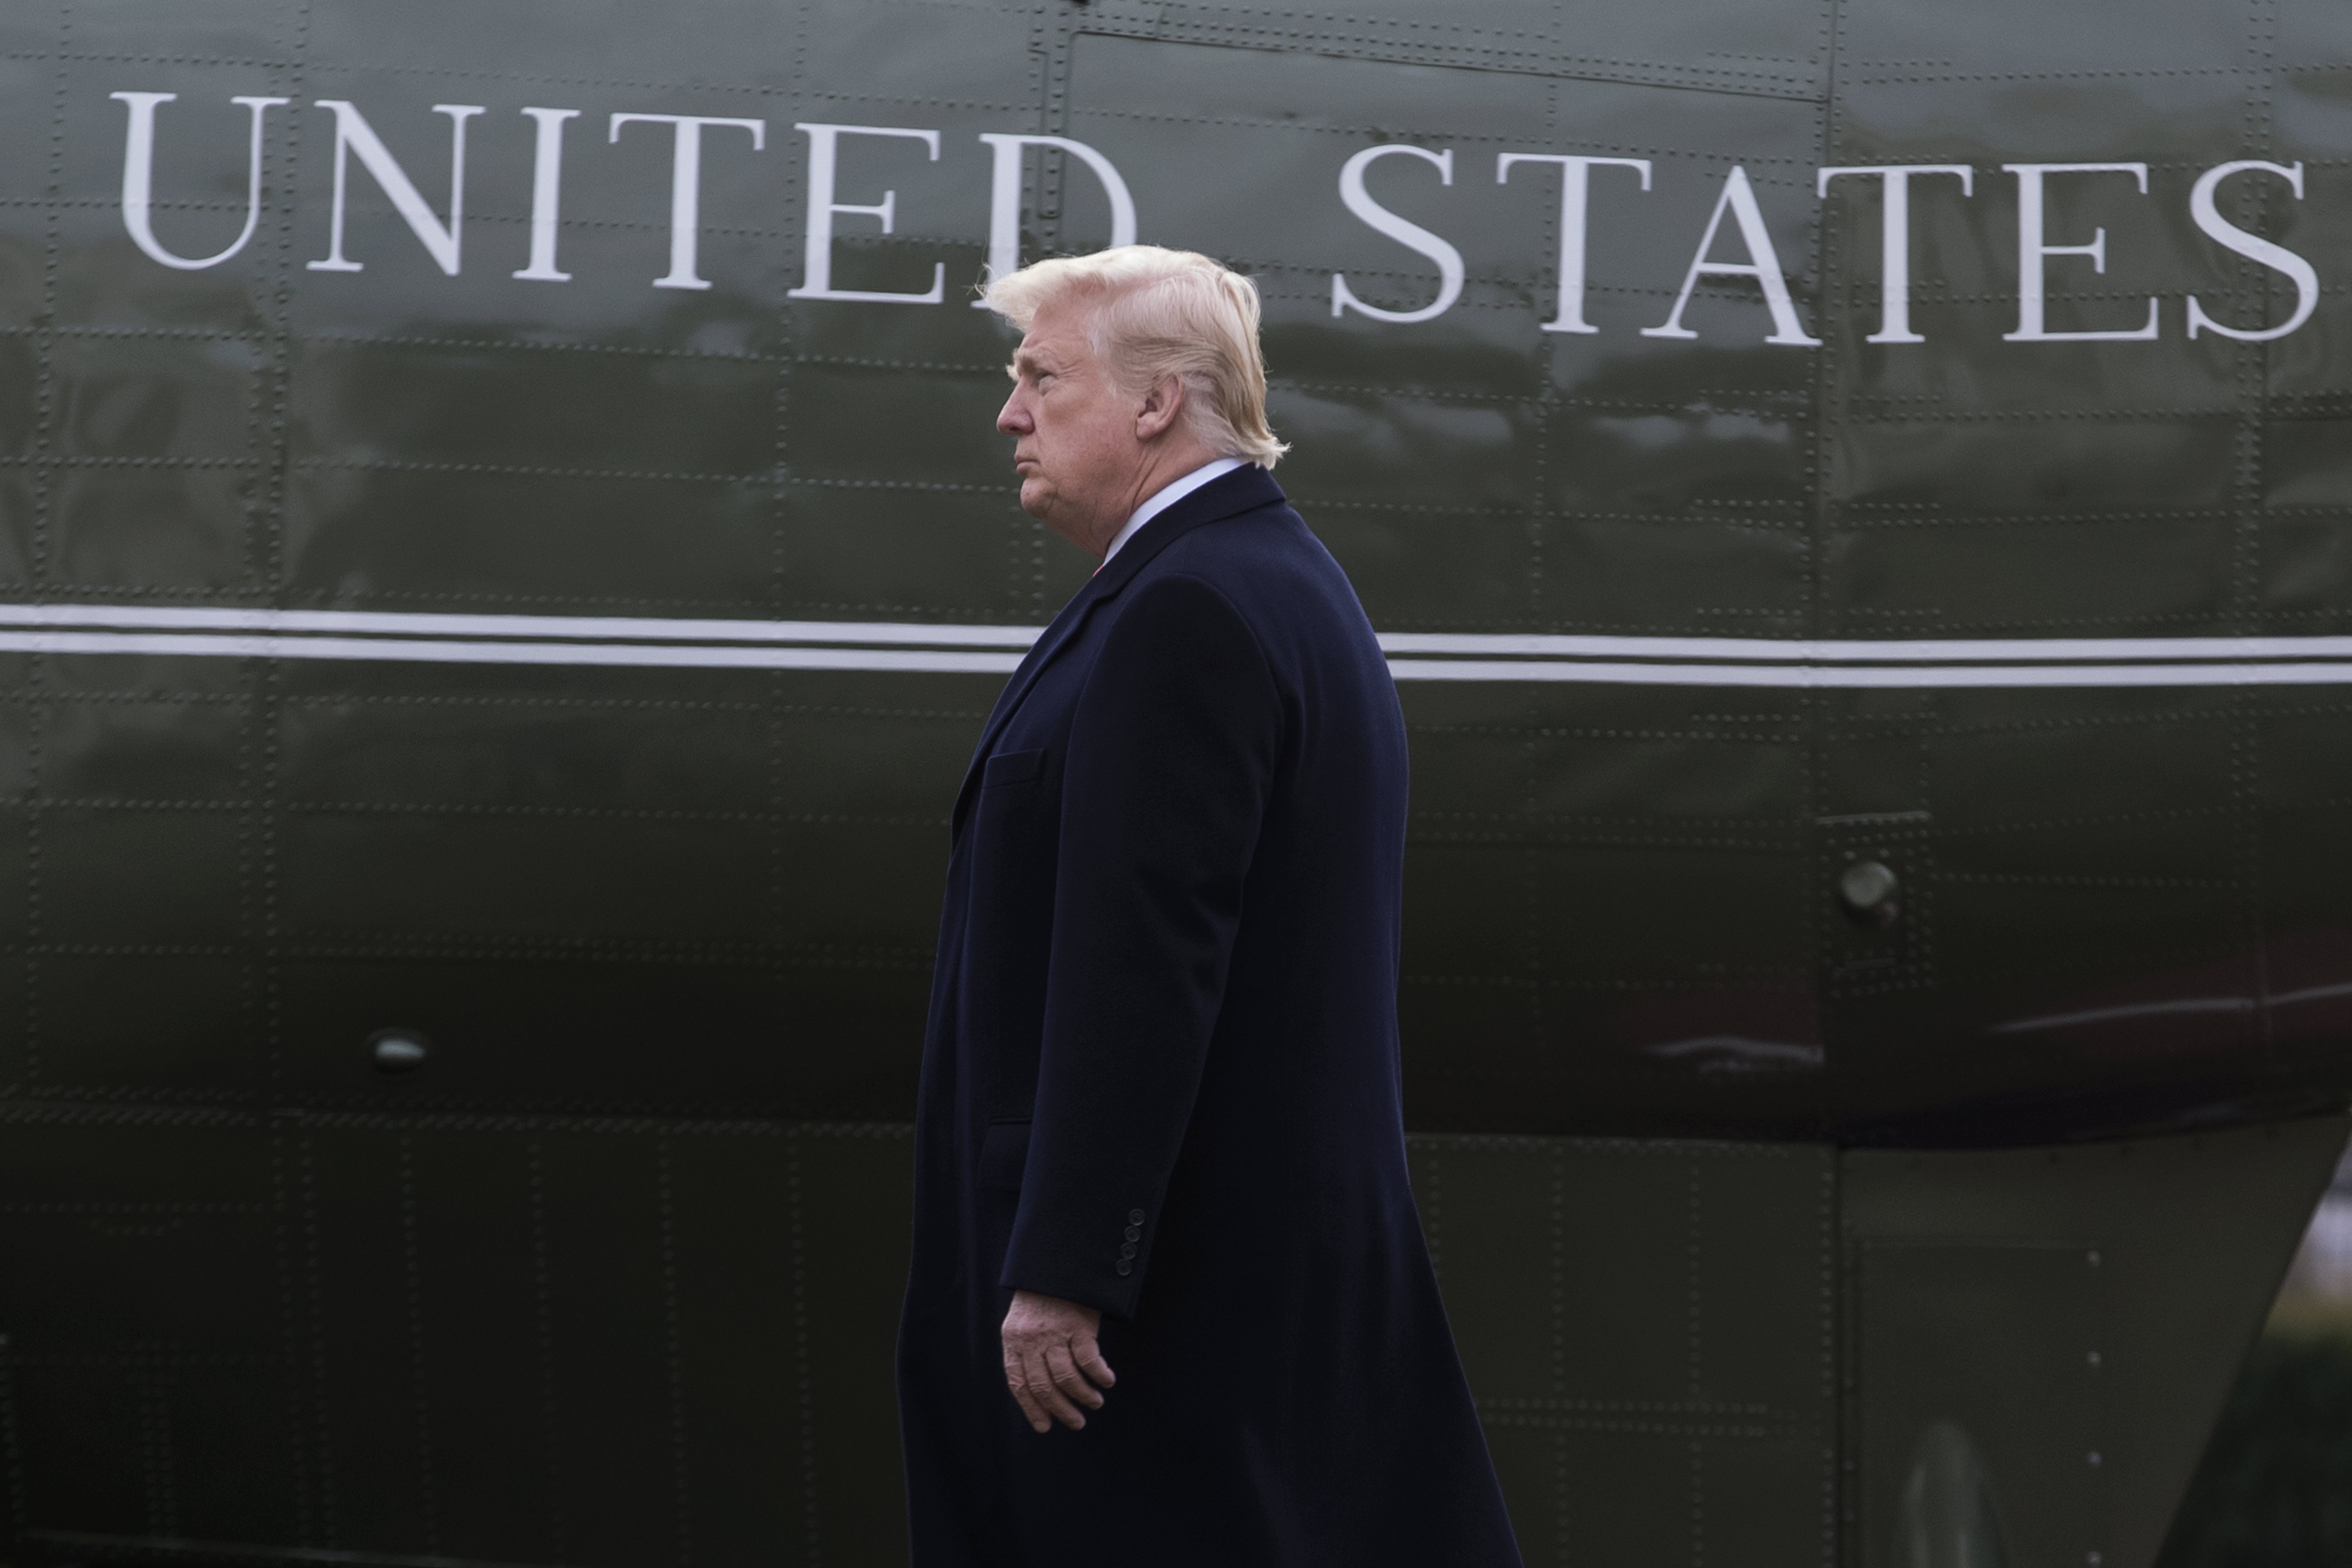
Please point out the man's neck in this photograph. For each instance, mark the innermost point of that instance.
(1175, 490)
(1159, 468)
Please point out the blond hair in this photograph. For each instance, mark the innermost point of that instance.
(1163, 314)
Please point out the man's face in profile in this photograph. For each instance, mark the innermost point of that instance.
(1075, 445)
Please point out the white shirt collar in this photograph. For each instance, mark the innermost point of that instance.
(1168, 495)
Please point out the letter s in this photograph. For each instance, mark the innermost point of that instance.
(2254, 247)
(1404, 232)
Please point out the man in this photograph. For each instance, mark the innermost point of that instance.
(1160, 1191)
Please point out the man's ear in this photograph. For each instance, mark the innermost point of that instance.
(1162, 407)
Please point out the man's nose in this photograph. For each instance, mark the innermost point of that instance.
(1012, 419)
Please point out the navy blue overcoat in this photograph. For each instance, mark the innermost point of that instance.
(1162, 1080)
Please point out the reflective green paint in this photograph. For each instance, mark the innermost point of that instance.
(608, 1277)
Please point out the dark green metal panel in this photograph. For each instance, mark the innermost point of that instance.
(1980, 1411)
(2068, 1318)
(1621, 891)
(609, 1278)
(585, 1340)
(1648, 1328)
(475, 1339)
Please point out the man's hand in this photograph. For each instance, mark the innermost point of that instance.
(1052, 1363)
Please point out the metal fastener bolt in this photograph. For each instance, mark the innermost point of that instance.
(397, 1050)
(1868, 888)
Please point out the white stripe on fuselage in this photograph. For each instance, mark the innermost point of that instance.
(904, 647)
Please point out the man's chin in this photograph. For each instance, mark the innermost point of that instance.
(1037, 499)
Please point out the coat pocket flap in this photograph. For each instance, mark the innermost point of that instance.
(1012, 767)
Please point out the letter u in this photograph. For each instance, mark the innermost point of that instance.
(139, 179)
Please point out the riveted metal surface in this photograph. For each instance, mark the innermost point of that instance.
(653, 866)
(1621, 892)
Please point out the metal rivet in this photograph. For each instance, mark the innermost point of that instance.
(2095, 1360)
(2094, 1458)
(397, 1050)
(2092, 1258)
(1867, 888)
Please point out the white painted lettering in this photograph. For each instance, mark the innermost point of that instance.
(1404, 231)
(353, 135)
(1005, 199)
(2032, 248)
(546, 193)
(1895, 239)
(1575, 183)
(686, 184)
(139, 178)
(2254, 247)
(1763, 264)
(816, 261)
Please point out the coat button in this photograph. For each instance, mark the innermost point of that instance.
(1135, 1216)
(1127, 1251)
(1135, 1233)
(1127, 1265)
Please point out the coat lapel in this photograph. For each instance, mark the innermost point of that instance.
(1229, 495)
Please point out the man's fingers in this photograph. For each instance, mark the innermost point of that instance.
(1050, 1399)
(1088, 1355)
(1065, 1368)
(1029, 1411)
(1053, 1365)
(1018, 1382)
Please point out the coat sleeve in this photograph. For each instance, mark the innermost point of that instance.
(1171, 759)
